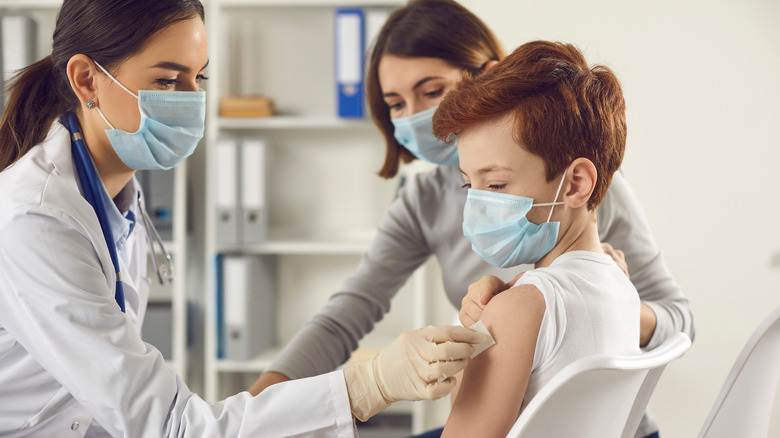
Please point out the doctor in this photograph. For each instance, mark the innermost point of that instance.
(120, 93)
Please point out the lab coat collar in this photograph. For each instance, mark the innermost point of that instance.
(57, 147)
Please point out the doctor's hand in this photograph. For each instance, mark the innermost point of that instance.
(418, 365)
(479, 294)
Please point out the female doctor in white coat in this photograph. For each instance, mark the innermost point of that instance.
(120, 93)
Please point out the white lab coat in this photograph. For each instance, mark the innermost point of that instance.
(71, 364)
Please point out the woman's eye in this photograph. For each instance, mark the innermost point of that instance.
(200, 78)
(466, 186)
(496, 187)
(433, 94)
(395, 106)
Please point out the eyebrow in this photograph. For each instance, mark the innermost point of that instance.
(416, 85)
(176, 66)
(487, 169)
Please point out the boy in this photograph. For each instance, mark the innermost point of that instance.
(539, 138)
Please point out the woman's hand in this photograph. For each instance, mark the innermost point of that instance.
(617, 255)
(267, 379)
(418, 365)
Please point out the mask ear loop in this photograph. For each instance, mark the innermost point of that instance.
(557, 192)
(104, 118)
(114, 79)
(118, 83)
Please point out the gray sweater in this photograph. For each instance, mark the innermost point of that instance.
(426, 219)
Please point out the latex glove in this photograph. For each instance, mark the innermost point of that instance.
(479, 294)
(418, 365)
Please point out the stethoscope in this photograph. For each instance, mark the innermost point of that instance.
(92, 186)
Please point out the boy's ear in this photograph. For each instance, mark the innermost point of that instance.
(581, 180)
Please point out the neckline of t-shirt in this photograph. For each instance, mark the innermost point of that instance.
(580, 255)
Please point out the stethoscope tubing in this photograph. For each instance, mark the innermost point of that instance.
(92, 193)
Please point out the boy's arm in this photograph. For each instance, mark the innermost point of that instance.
(494, 383)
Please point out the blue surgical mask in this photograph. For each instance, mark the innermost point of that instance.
(499, 231)
(172, 124)
(415, 133)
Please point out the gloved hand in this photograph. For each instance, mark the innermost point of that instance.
(410, 368)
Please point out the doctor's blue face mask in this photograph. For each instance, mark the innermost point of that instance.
(415, 133)
(172, 124)
(497, 227)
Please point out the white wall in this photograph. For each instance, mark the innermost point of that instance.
(702, 86)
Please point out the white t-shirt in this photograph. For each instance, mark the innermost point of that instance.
(591, 308)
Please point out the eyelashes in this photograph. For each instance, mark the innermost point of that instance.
(168, 83)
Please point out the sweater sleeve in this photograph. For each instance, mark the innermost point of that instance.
(623, 225)
(328, 339)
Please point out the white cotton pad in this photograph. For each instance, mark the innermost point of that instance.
(479, 348)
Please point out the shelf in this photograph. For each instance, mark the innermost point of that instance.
(302, 247)
(355, 243)
(257, 364)
(293, 122)
(261, 362)
(310, 3)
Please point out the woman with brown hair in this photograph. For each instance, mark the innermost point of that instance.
(420, 54)
(120, 93)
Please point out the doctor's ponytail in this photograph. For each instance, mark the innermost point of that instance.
(36, 98)
(107, 32)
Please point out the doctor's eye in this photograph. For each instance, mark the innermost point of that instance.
(200, 78)
(167, 83)
(466, 186)
(496, 187)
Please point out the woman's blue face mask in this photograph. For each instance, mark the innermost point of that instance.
(415, 133)
(172, 124)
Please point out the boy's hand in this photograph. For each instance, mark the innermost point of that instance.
(479, 294)
(617, 255)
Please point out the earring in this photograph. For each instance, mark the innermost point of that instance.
(90, 104)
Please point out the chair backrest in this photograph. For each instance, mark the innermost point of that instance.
(598, 396)
(743, 407)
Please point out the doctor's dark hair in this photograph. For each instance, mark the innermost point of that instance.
(440, 29)
(108, 31)
(562, 109)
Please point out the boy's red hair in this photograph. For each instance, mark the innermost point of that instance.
(563, 110)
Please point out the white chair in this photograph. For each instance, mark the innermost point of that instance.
(598, 396)
(744, 405)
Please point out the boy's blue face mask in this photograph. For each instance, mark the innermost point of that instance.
(415, 133)
(172, 124)
(499, 231)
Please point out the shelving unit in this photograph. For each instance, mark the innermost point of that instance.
(44, 12)
(176, 292)
(324, 198)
